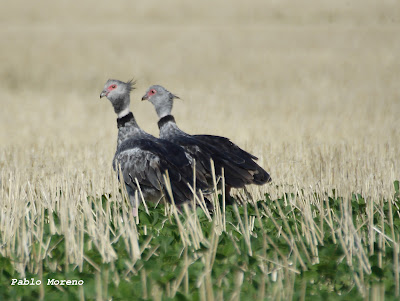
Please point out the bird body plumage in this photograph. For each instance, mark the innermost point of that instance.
(146, 159)
(239, 166)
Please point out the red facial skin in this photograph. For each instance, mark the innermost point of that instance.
(110, 88)
(151, 93)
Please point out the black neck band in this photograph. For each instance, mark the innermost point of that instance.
(165, 119)
(121, 121)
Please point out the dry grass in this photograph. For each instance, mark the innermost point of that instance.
(315, 97)
(312, 89)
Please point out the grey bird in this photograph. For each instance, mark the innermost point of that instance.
(239, 166)
(143, 158)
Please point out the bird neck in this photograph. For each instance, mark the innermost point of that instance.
(126, 120)
(164, 120)
(124, 113)
(127, 128)
(164, 110)
(121, 105)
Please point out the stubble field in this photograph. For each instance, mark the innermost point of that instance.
(312, 89)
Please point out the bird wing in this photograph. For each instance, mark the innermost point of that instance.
(238, 156)
(142, 165)
(203, 152)
(225, 145)
(200, 154)
(147, 161)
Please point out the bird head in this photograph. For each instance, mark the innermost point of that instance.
(118, 93)
(161, 98)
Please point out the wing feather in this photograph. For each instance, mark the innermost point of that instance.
(148, 161)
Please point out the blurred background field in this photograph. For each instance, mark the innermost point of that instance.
(310, 87)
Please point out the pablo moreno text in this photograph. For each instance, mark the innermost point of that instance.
(32, 281)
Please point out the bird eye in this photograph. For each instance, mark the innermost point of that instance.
(113, 86)
(153, 91)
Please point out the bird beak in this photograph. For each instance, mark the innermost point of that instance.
(103, 93)
(145, 97)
